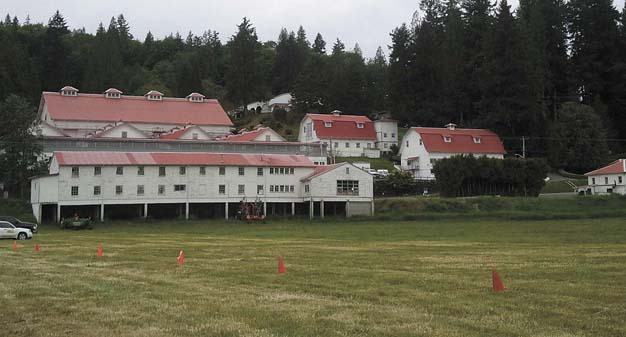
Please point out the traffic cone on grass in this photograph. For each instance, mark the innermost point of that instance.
(497, 284)
(15, 246)
(281, 265)
(37, 248)
(181, 258)
(100, 251)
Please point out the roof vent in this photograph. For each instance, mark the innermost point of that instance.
(336, 112)
(195, 97)
(68, 91)
(451, 126)
(153, 95)
(112, 93)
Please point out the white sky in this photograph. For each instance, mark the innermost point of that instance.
(367, 22)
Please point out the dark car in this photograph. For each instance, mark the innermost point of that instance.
(19, 223)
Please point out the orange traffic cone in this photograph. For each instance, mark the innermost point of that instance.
(37, 248)
(15, 245)
(281, 265)
(498, 286)
(181, 258)
(100, 251)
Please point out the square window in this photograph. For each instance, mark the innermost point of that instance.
(360, 125)
(140, 189)
(161, 189)
(347, 145)
(328, 124)
(241, 189)
(97, 190)
(259, 171)
(268, 138)
(140, 170)
(74, 190)
(180, 188)
(259, 189)
(336, 144)
(75, 171)
(194, 135)
(358, 145)
(161, 171)
(222, 189)
(386, 146)
(124, 134)
(202, 170)
(242, 171)
(385, 135)
(282, 170)
(119, 170)
(97, 170)
(222, 171)
(119, 189)
(182, 170)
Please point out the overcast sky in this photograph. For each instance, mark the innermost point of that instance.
(367, 22)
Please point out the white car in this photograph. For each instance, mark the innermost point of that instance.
(8, 231)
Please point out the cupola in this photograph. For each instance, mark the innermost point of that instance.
(112, 93)
(153, 95)
(68, 91)
(195, 97)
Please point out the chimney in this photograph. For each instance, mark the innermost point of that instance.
(451, 126)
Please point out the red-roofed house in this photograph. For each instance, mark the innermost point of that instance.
(78, 115)
(422, 147)
(608, 179)
(345, 135)
(259, 134)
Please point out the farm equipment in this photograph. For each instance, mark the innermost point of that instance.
(251, 211)
(76, 223)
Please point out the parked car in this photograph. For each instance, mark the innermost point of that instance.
(383, 173)
(8, 231)
(19, 223)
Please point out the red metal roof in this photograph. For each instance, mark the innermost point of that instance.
(96, 107)
(319, 170)
(101, 158)
(246, 136)
(462, 141)
(616, 167)
(343, 127)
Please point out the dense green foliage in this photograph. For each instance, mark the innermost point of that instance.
(402, 184)
(462, 176)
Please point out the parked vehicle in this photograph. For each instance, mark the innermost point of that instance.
(19, 223)
(8, 231)
(76, 223)
(383, 173)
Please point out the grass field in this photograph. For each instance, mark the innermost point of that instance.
(427, 278)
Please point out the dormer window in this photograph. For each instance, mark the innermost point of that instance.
(447, 139)
(69, 91)
(112, 93)
(328, 124)
(360, 125)
(154, 95)
(195, 97)
(477, 140)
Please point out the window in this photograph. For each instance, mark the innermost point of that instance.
(407, 143)
(606, 180)
(593, 181)
(180, 188)
(161, 189)
(202, 170)
(347, 145)
(282, 188)
(119, 170)
(347, 187)
(182, 170)
(194, 135)
(447, 139)
(242, 171)
(268, 138)
(222, 189)
(282, 170)
(74, 190)
(97, 170)
(385, 135)
(119, 189)
(477, 140)
(97, 190)
(369, 145)
(241, 189)
(360, 125)
(222, 171)
(386, 146)
(328, 124)
(336, 144)
(259, 189)
(271, 188)
(358, 145)
(291, 188)
(271, 170)
(306, 189)
(75, 171)
(291, 170)
(140, 189)
(140, 170)
(421, 143)
(161, 171)
(347, 170)
(619, 179)
(124, 134)
(393, 135)
(259, 171)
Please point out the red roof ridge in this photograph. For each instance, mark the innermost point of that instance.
(133, 97)
(616, 167)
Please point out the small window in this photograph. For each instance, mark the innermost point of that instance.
(119, 189)
(386, 146)
(140, 189)
(124, 134)
(369, 145)
(271, 170)
(222, 189)
(161, 171)
(161, 189)
(336, 144)
(272, 188)
(477, 140)
(202, 170)
(259, 171)
(242, 171)
(97, 170)
(347, 170)
(282, 188)
(74, 190)
(194, 135)
(360, 125)
(75, 171)
(222, 171)
(282, 170)
(328, 124)
(241, 189)
(358, 145)
(119, 170)
(606, 180)
(347, 145)
(291, 188)
(140, 171)
(407, 143)
(447, 139)
(393, 135)
(385, 135)
(182, 170)
(291, 170)
(421, 143)
(268, 138)
(306, 188)
(259, 189)
(593, 181)
(619, 179)
(180, 188)
(97, 190)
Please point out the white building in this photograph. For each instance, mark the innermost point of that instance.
(259, 134)
(198, 185)
(422, 147)
(70, 113)
(607, 180)
(344, 135)
(386, 134)
(282, 101)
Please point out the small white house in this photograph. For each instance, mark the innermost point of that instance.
(422, 147)
(386, 134)
(607, 180)
(282, 101)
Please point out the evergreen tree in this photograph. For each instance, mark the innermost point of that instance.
(338, 47)
(319, 46)
(400, 84)
(57, 65)
(455, 99)
(376, 75)
(288, 63)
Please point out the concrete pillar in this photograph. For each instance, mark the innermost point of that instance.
(101, 212)
(373, 210)
(264, 208)
(226, 210)
(186, 211)
(347, 208)
(311, 209)
(39, 207)
(145, 211)
(58, 215)
(322, 209)
(293, 209)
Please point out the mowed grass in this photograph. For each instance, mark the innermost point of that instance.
(427, 278)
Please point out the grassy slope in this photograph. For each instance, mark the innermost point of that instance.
(375, 163)
(566, 278)
(562, 186)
